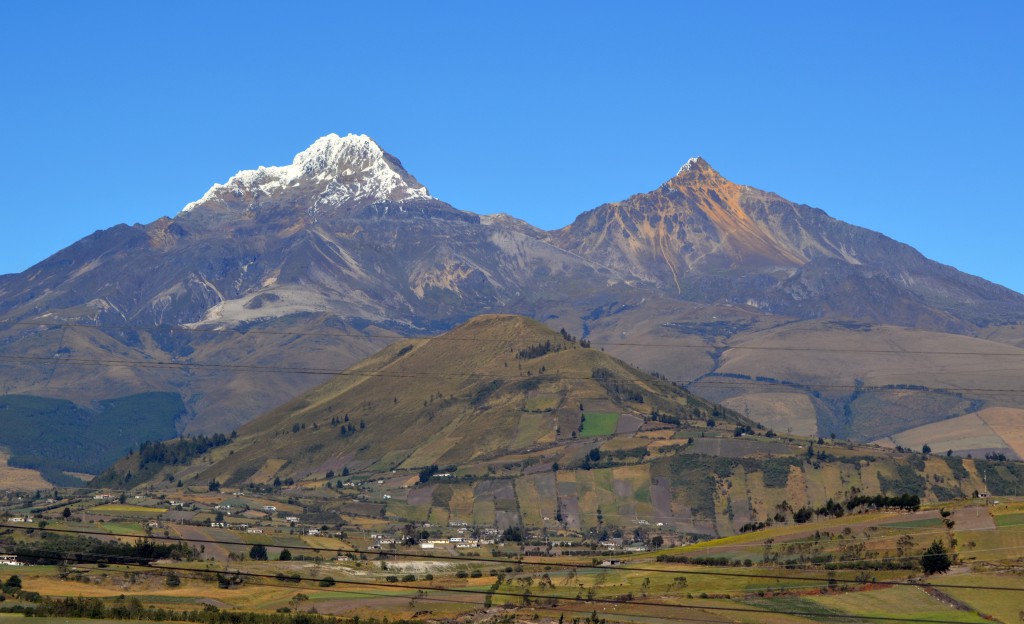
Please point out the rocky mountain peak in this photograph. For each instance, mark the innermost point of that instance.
(333, 169)
(697, 171)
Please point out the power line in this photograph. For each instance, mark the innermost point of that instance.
(156, 364)
(523, 561)
(445, 337)
(593, 600)
(427, 598)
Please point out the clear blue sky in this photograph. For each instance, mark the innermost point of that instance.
(903, 117)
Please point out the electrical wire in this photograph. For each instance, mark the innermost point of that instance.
(156, 364)
(593, 600)
(353, 551)
(444, 337)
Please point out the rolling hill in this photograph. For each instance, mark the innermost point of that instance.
(503, 422)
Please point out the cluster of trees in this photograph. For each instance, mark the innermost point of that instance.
(133, 609)
(179, 451)
(537, 350)
(832, 509)
(592, 457)
(705, 561)
(54, 547)
(11, 586)
(657, 416)
(428, 472)
(910, 502)
(258, 552)
(622, 390)
(583, 342)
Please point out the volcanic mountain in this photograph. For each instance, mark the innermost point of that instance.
(284, 275)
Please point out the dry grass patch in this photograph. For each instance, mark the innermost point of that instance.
(20, 479)
(961, 433)
(1008, 423)
(533, 427)
(785, 412)
(116, 508)
(268, 471)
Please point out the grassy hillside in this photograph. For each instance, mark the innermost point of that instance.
(493, 386)
(503, 422)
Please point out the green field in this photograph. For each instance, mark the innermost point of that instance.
(1010, 519)
(599, 424)
(924, 523)
(909, 602)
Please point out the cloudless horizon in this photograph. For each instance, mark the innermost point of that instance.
(904, 118)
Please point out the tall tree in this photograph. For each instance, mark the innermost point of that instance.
(936, 559)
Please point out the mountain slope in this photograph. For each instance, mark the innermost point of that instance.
(494, 386)
(503, 422)
(283, 275)
(708, 239)
(343, 237)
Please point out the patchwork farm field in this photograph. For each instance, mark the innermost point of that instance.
(599, 424)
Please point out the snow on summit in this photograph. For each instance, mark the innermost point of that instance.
(333, 169)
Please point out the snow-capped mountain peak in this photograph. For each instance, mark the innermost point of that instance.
(689, 164)
(333, 169)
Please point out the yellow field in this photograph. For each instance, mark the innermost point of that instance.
(543, 402)
(785, 412)
(20, 479)
(1008, 423)
(965, 432)
(796, 488)
(266, 473)
(116, 508)
(533, 427)
(461, 504)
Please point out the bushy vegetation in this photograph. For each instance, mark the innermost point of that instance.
(1002, 477)
(153, 456)
(133, 609)
(428, 472)
(537, 350)
(908, 480)
(910, 502)
(619, 390)
(53, 548)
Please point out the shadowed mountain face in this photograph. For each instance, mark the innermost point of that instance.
(246, 296)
